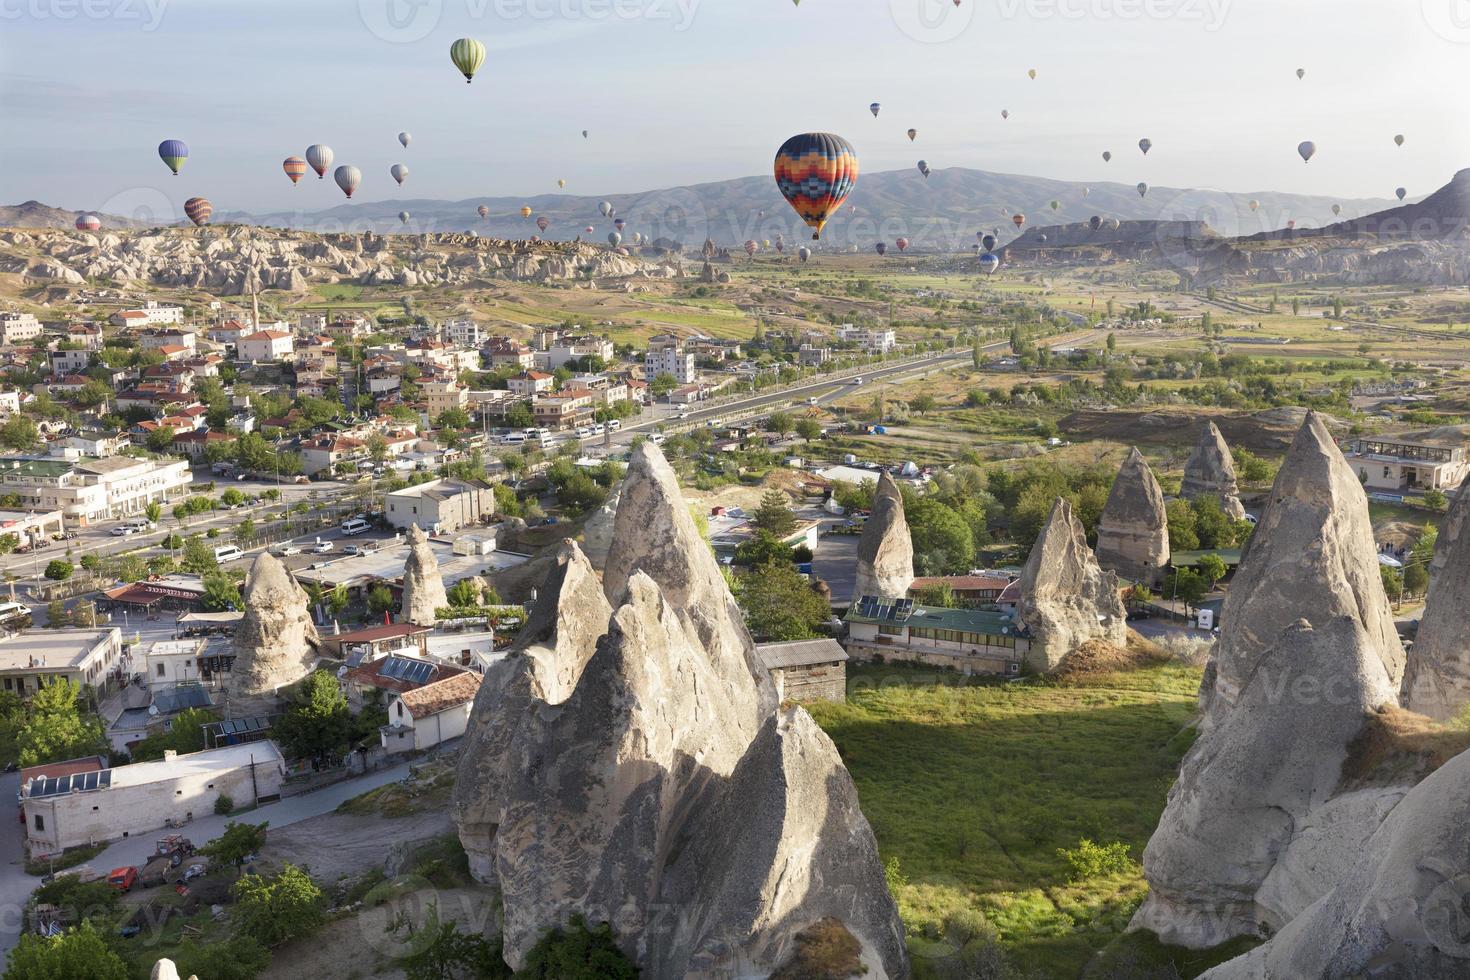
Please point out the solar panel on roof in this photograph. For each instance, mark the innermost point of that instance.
(401, 668)
(78, 782)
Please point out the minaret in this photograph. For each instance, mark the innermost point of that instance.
(254, 309)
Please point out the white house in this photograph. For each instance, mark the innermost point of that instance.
(168, 663)
(877, 341)
(423, 718)
(675, 361)
(17, 328)
(264, 345)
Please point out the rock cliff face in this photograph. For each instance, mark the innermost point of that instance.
(423, 586)
(597, 533)
(1066, 598)
(661, 775)
(1399, 911)
(885, 563)
(275, 643)
(1133, 533)
(1437, 676)
(1312, 556)
(1210, 472)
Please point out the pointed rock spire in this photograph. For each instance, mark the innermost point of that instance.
(423, 585)
(1066, 598)
(1437, 675)
(1210, 472)
(1133, 532)
(885, 559)
(276, 640)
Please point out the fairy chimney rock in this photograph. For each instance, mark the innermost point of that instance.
(1133, 532)
(885, 559)
(423, 586)
(1210, 472)
(1066, 598)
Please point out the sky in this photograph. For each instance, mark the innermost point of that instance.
(677, 92)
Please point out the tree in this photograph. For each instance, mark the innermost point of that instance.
(763, 548)
(578, 952)
(463, 594)
(773, 516)
(1181, 518)
(221, 594)
(236, 843)
(244, 531)
(161, 439)
(1416, 578)
(519, 416)
(19, 433)
(8, 543)
(1393, 582)
(923, 404)
(236, 958)
(454, 418)
(1212, 567)
(809, 429)
(780, 423)
(943, 542)
(1112, 341)
(154, 511)
(79, 952)
(662, 384)
(273, 910)
(56, 728)
(59, 569)
(318, 723)
(185, 734)
(439, 951)
(1185, 585)
(1435, 500)
(779, 603)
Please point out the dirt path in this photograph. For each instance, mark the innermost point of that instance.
(334, 846)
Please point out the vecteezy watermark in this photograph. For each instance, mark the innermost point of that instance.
(1449, 19)
(407, 21)
(1210, 13)
(148, 14)
(932, 21)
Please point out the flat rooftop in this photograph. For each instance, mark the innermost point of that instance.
(198, 763)
(51, 649)
(388, 563)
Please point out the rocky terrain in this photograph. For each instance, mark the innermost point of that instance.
(1210, 472)
(597, 533)
(1437, 677)
(885, 558)
(632, 764)
(275, 643)
(1133, 532)
(423, 586)
(234, 260)
(1067, 600)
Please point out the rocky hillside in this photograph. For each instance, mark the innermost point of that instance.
(34, 214)
(232, 260)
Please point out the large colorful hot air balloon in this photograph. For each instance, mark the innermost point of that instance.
(319, 155)
(815, 172)
(803, 253)
(1306, 149)
(468, 55)
(989, 262)
(543, 222)
(881, 248)
(913, 135)
(1142, 188)
(1401, 193)
(620, 223)
(1018, 219)
(987, 242)
(295, 168)
(902, 243)
(1107, 155)
(1145, 145)
(88, 222)
(874, 108)
(483, 211)
(173, 153)
(405, 139)
(347, 178)
(751, 247)
(605, 208)
(925, 169)
(198, 209)
(403, 216)
(526, 211)
(399, 172)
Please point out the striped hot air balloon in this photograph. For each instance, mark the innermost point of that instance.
(88, 222)
(482, 211)
(543, 222)
(198, 209)
(468, 55)
(620, 223)
(295, 168)
(751, 247)
(319, 155)
(902, 243)
(815, 172)
(173, 153)
(989, 262)
(526, 211)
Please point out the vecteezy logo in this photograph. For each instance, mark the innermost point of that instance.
(931, 21)
(1450, 19)
(400, 21)
(1445, 915)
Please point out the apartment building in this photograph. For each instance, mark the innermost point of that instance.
(17, 328)
(873, 341)
(89, 491)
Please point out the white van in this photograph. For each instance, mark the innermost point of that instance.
(227, 552)
(613, 425)
(355, 526)
(513, 439)
(139, 524)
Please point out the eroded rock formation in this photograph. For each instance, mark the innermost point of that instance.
(1312, 555)
(1210, 472)
(1133, 532)
(1437, 675)
(885, 562)
(1066, 598)
(597, 533)
(423, 586)
(275, 643)
(661, 775)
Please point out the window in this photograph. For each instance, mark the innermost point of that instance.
(40, 822)
(400, 709)
(890, 630)
(161, 670)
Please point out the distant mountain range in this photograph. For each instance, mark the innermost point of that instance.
(943, 212)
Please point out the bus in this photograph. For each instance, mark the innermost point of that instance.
(15, 616)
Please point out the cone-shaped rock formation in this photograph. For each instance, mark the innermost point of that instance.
(885, 561)
(1066, 598)
(1133, 532)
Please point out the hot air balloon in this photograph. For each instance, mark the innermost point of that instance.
(1111, 224)
(468, 55)
(614, 239)
(584, 134)
(399, 172)
(295, 168)
(1145, 145)
(874, 108)
(1094, 222)
(989, 262)
(882, 248)
(1055, 205)
(803, 253)
(1018, 219)
(1005, 113)
(1086, 191)
(88, 222)
(815, 172)
(1398, 140)
(173, 153)
(765, 243)
(924, 169)
(902, 243)
(780, 243)
(561, 183)
(751, 247)
(482, 211)
(319, 155)
(1107, 155)
(605, 208)
(1401, 193)
(543, 222)
(347, 178)
(987, 242)
(619, 224)
(588, 230)
(913, 135)
(1306, 149)
(403, 216)
(405, 139)
(1031, 73)
(1041, 238)
(1142, 188)
(760, 214)
(1291, 224)
(637, 238)
(526, 211)
(1254, 205)
(198, 210)
(1336, 210)
(1301, 73)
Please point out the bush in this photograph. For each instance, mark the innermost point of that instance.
(224, 805)
(1089, 860)
(578, 952)
(59, 570)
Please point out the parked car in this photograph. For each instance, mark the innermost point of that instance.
(191, 872)
(287, 550)
(123, 879)
(352, 549)
(321, 548)
(124, 531)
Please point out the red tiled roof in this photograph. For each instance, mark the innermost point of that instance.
(962, 583)
(441, 695)
(381, 633)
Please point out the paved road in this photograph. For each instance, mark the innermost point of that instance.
(16, 886)
(835, 562)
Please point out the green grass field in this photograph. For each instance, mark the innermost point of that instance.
(973, 788)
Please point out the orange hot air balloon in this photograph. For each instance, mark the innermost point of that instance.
(295, 168)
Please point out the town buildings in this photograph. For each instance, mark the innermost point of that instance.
(1400, 464)
(972, 641)
(440, 506)
(87, 491)
(90, 657)
(426, 716)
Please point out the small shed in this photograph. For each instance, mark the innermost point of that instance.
(806, 670)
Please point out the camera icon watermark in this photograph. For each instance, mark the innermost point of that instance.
(147, 207)
(932, 21)
(400, 21)
(147, 14)
(1448, 19)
